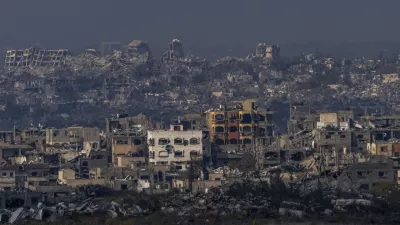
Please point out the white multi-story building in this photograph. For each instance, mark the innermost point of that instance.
(174, 147)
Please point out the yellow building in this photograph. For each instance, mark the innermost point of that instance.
(240, 124)
(380, 148)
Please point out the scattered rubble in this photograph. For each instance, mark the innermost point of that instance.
(61, 210)
(57, 88)
(129, 78)
(241, 199)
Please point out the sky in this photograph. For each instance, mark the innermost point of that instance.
(208, 27)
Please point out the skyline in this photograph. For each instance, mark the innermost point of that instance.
(221, 28)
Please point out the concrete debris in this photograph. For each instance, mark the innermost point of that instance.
(16, 215)
(61, 210)
(229, 172)
(328, 212)
(38, 215)
(215, 202)
(291, 212)
(112, 214)
(239, 199)
(346, 202)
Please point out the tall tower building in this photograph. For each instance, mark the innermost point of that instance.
(268, 52)
(175, 50)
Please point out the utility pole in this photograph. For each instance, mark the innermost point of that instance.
(59, 159)
(320, 159)
(194, 160)
(259, 154)
(191, 171)
(336, 158)
(76, 143)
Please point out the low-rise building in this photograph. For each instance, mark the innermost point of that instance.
(382, 148)
(330, 139)
(73, 135)
(207, 180)
(366, 175)
(68, 177)
(333, 120)
(134, 147)
(19, 176)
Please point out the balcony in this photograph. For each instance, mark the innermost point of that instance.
(179, 154)
(246, 141)
(163, 154)
(194, 141)
(194, 153)
(195, 156)
(233, 129)
(219, 129)
(246, 130)
(178, 141)
(163, 141)
(233, 141)
(246, 118)
(219, 117)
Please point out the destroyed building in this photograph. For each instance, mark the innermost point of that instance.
(73, 136)
(333, 135)
(384, 135)
(126, 138)
(34, 57)
(301, 118)
(122, 124)
(268, 52)
(366, 175)
(139, 51)
(21, 176)
(175, 50)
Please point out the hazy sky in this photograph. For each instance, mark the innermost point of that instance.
(204, 26)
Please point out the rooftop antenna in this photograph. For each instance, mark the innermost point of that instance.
(343, 69)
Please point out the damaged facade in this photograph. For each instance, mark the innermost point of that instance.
(34, 57)
(268, 52)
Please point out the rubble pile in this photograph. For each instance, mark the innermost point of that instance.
(216, 203)
(229, 172)
(120, 79)
(259, 200)
(240, 200)
(61, 210)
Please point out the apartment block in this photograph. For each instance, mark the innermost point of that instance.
(175, 147)
(240, 124)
